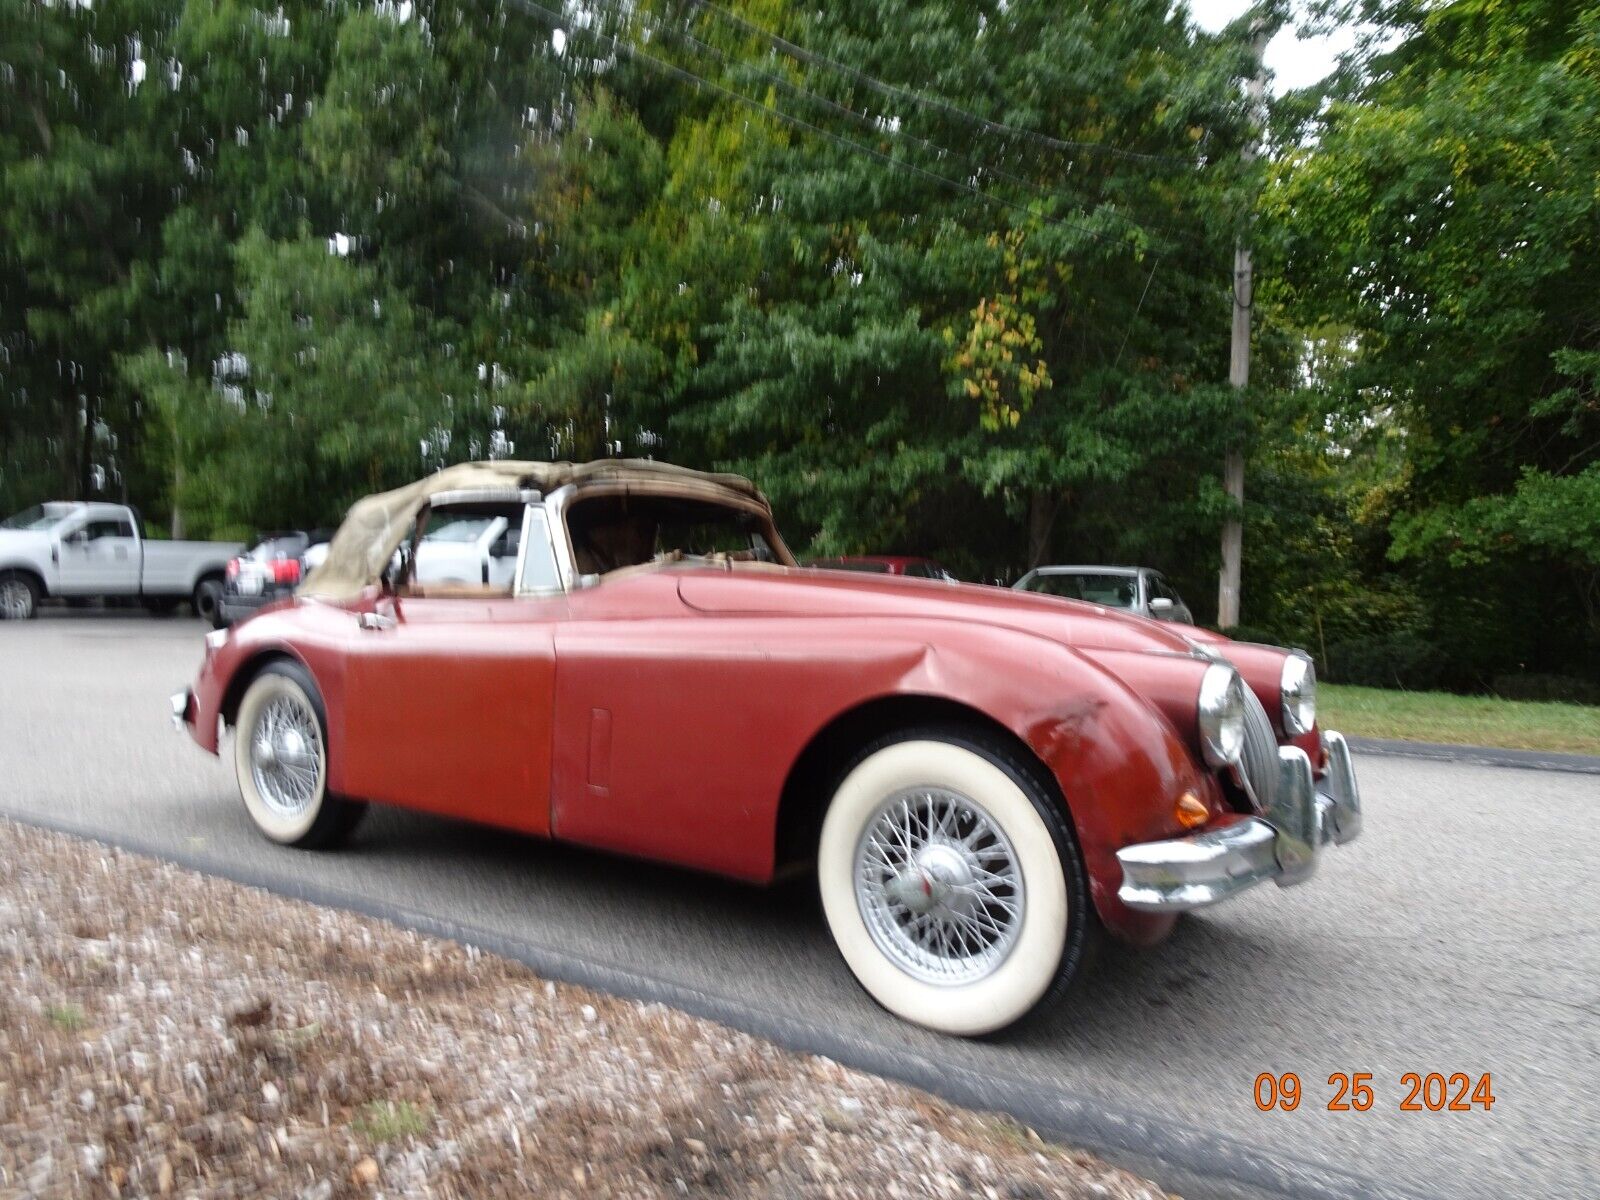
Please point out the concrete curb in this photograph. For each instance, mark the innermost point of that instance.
(1483, 756)
(1198, 1164)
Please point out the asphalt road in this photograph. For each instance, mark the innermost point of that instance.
(1461, 933)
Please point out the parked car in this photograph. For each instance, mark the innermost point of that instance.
(984, 781)
(1140, 590)
(268, 571)
(82, 550)
(885, 564)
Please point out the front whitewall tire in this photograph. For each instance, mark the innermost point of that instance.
(281, 720)
(1017, 983)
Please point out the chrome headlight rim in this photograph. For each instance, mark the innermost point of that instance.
(1297, 688)
(1220, 708)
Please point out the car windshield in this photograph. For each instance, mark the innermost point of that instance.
(38, 517)
(610, 532)
(1104, 588)
(458, 529)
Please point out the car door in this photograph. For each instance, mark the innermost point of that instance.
(447, 698)
(100, 558)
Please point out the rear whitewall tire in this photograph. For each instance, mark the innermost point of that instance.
(281, 710)
(1044, 952)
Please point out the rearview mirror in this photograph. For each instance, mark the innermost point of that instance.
(1160, 606)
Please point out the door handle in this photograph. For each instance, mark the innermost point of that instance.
(374, 622)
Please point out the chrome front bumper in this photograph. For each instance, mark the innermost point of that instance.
(180, 702)
(1282, 844)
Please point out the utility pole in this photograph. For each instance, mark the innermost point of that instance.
(1261, 31)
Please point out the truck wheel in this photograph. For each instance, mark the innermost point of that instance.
(952, 883)
(207, 601)
(281, 760)
(19, 597)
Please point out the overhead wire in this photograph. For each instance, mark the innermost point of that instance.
(626, 49)
(623, 48)
(883, 88)
(978, 165)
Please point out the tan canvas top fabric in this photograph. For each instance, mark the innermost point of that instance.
(374, 527)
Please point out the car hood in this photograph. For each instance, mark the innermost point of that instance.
(829, 593)
(23, 541)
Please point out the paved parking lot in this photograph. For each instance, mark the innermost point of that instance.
(1461, 934)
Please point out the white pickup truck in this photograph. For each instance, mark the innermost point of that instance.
(84, 549)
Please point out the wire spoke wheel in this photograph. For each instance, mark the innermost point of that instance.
(939, 886)
(286, 755)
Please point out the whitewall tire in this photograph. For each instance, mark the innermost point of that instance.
(952, 883)
(281, 760)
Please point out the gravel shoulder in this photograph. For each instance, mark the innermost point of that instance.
(167, 1033)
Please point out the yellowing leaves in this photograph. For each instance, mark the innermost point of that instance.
(989, 364)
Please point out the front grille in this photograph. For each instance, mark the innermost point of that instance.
(1260, 759)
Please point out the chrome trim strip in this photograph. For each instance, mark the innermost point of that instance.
(488, 495)
(555, 508)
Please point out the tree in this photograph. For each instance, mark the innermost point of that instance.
(1443, 211)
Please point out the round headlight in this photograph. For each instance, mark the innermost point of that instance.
(1221, 708)
(1299, 695)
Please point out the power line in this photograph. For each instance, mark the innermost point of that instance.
(622, 47)
(978, 164)
(1062, 145)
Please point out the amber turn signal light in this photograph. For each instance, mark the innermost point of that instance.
(1189, 810)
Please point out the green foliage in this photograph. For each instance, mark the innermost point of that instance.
(382, 1121)
(1442, 212)
(257, 259)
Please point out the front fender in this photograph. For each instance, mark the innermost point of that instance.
(1119, 762)
(290, 630)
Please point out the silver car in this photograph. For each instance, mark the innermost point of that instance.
(1141, 590)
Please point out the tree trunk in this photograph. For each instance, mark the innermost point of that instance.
(177, 530)
(1042, 510)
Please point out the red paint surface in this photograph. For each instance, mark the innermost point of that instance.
(659, 714)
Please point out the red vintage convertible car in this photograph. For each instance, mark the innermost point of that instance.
(983, 780)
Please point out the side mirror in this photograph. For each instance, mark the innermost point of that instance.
(1160, 607)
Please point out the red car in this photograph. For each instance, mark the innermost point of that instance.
(984, 781)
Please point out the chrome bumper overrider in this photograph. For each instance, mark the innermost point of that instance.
(180, 707)
(1282, 844)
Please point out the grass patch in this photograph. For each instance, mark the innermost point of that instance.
(1459, 720)
(389, 1120)
(68, 1018)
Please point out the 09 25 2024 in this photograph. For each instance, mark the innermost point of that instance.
(1355, 1091)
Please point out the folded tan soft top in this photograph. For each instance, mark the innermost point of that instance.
(374, 527)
